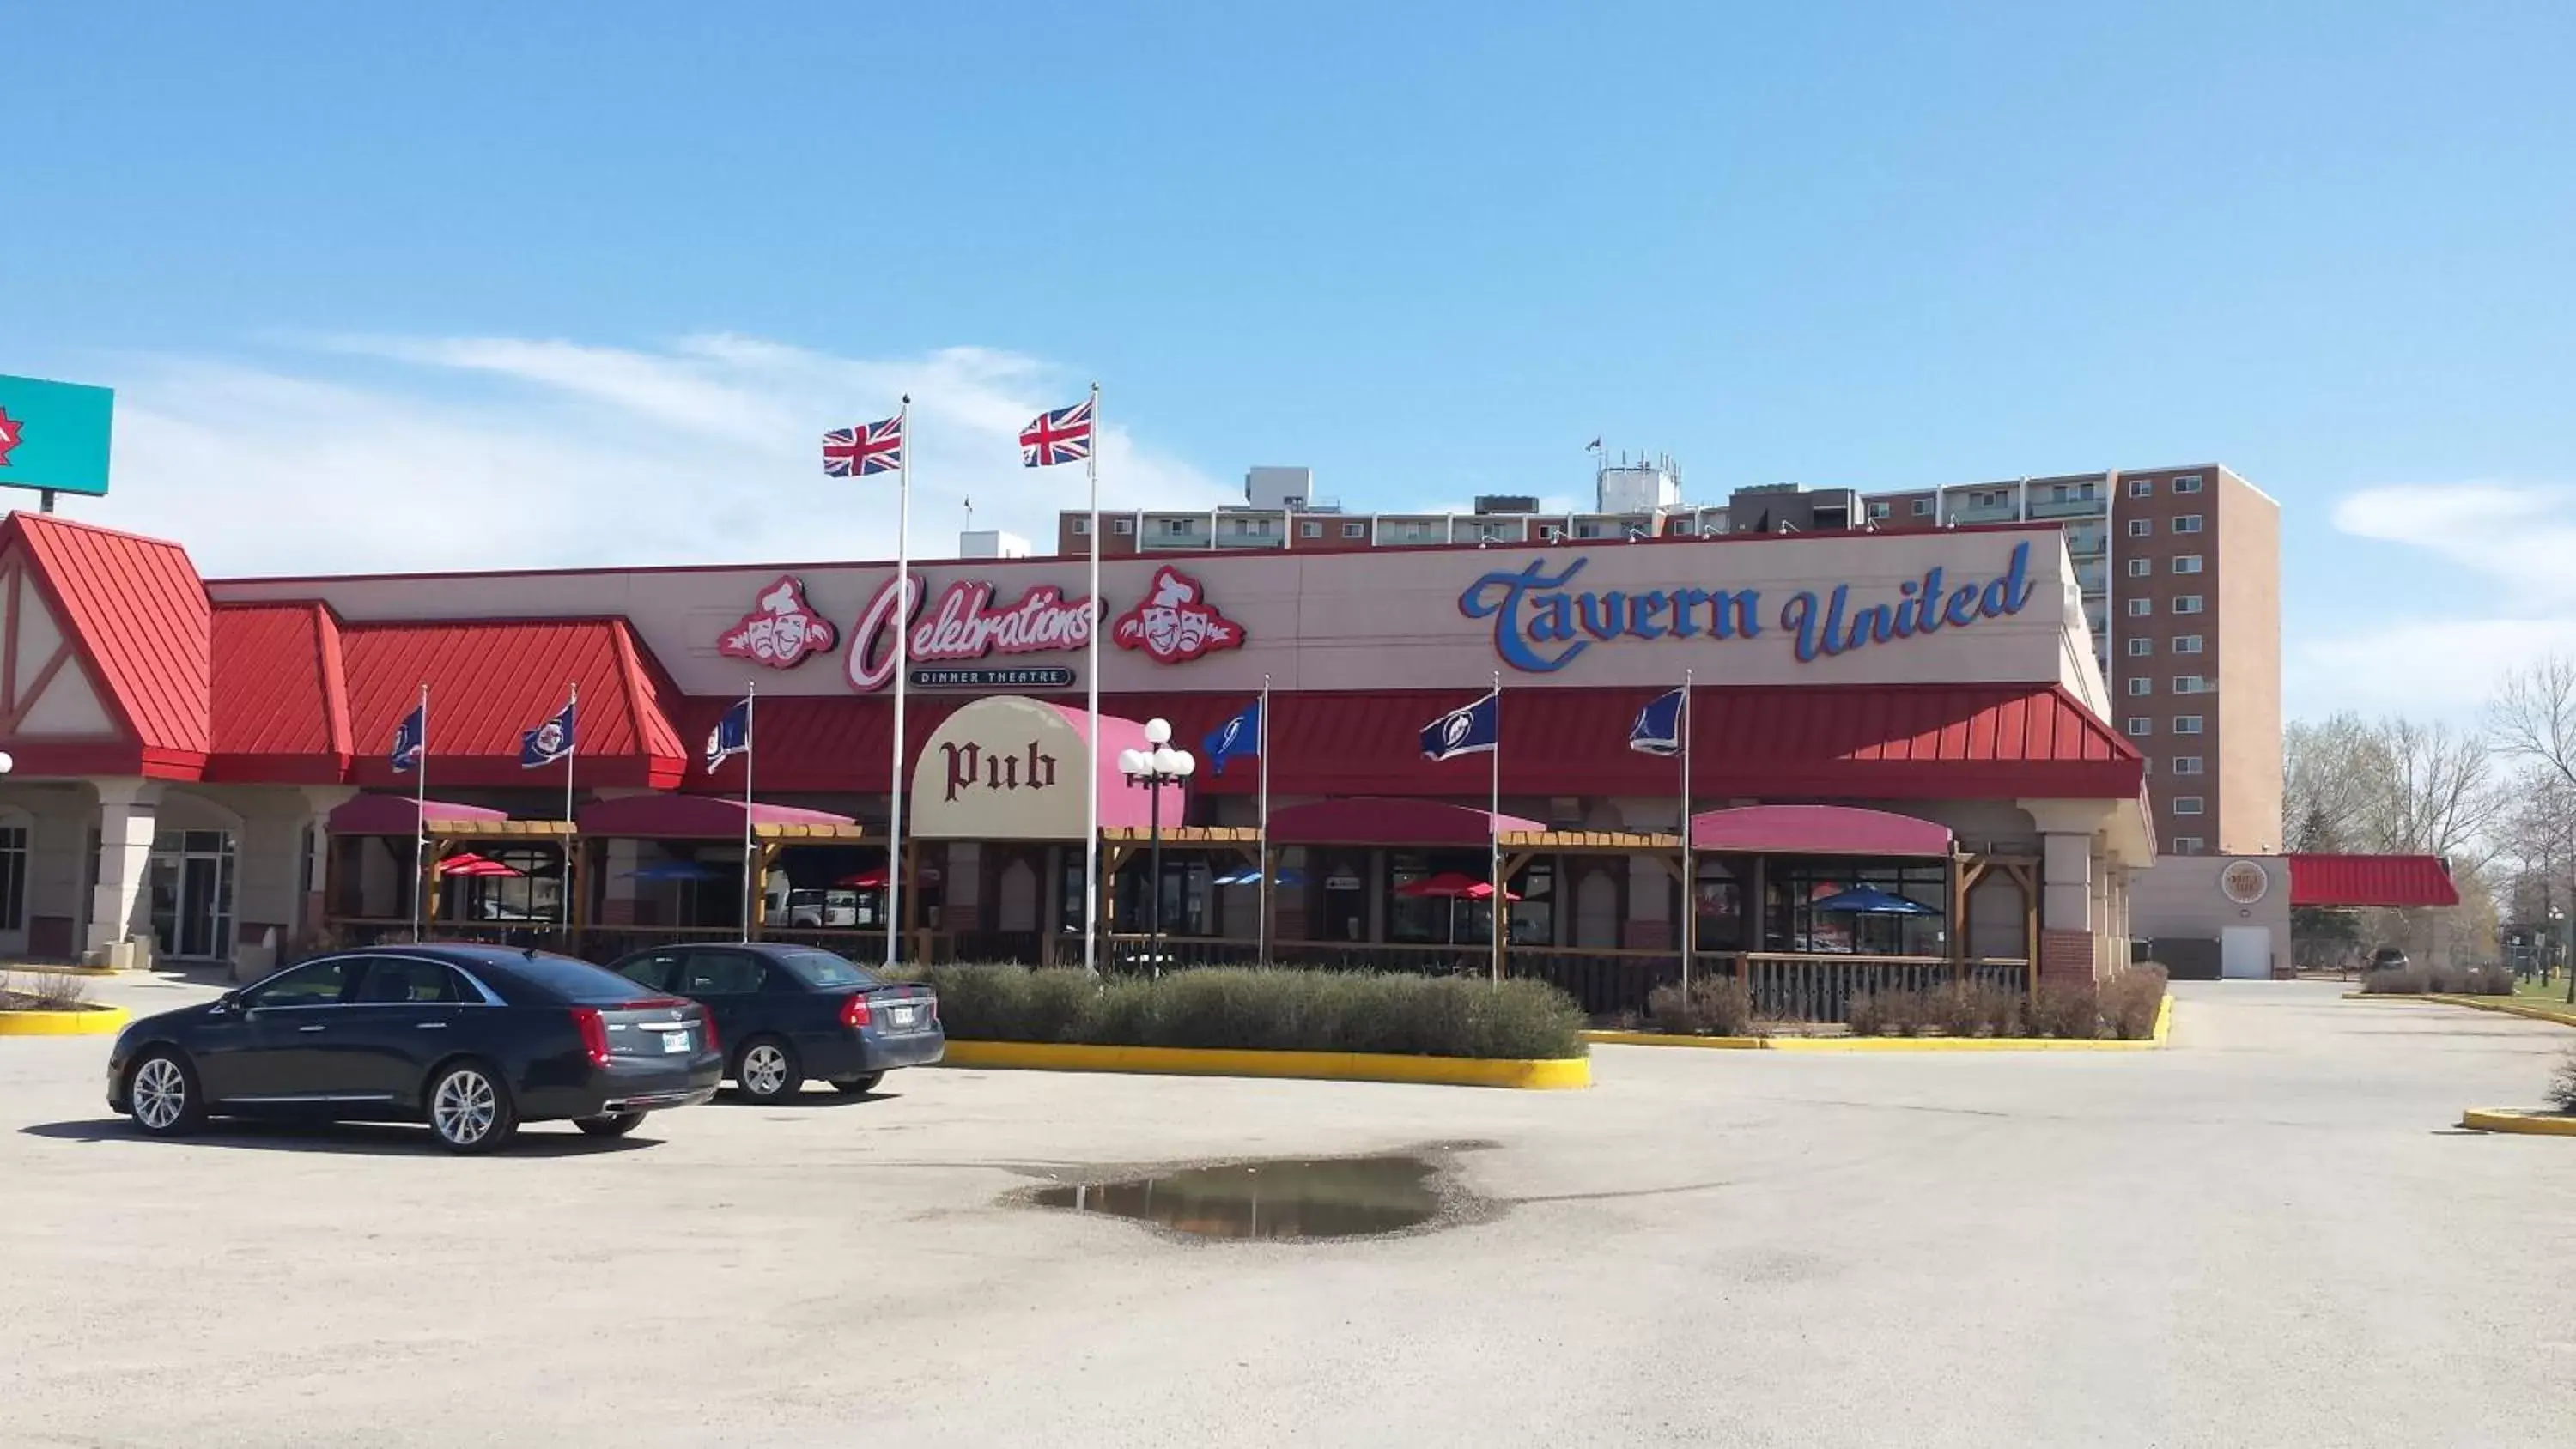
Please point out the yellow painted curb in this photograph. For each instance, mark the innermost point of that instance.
(98, 1021)
(2164, 1029)
(1328, 1066)
(2507, 1119)
(2558, 1015)
(39, 969)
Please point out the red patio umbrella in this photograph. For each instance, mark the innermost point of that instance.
(1446, 883)
(467, 863)
(866, 880)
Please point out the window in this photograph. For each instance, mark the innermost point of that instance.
(2187, 483)
(2193, 684)
(2141, 685)
(2186, 563)
(2142, 528)
(2140, 726)
(1923, 508)
(2186, 644)
(2186, 523)
(1304, 530)
(1173, 527)
(2140, 568)
(2186, 845)
(825, 970)
(2141, 648)
(2186, 805)
(395, 980)
(2186, 764)
(657, 972)
(2141, 608)
(1879, 510)
(2186, 724)
(318, 984)
(1123, 526)
(1354, 530)
(1081, 526)
(720, 973)
(2187, 604)
(2142, 487)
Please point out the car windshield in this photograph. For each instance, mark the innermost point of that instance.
(576, 981)
(822, 968)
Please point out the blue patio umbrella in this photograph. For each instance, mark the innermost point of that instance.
(1864, 901)
(674, 870)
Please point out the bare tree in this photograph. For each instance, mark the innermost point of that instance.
(2442, 796)
(2533, 716)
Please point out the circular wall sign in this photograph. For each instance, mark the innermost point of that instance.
(2245, 881)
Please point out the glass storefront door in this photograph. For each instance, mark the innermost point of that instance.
(190, 877)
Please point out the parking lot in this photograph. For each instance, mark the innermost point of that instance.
(2265, 1234)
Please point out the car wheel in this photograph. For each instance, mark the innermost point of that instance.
(162, 1095)
(470, 1110)
(858, 1086)
(615, 1124)
(767, 1071)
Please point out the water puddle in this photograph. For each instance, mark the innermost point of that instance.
(1291, 1198)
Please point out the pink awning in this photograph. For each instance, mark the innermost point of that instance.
(400, 815)
(692, 817)
(1379, 821)
(1817, 830)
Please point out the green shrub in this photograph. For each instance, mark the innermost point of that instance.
(1259, 1009)
(1714, 1006)
(2130, 1001)
(2562, 1087)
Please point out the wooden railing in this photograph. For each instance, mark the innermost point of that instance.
(1810, 986)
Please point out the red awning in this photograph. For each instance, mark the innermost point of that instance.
(1817, 830)
(1390, 822)
(2371, 880)
(692, 817)
(400, 815)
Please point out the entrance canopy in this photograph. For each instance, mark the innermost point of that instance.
(2371, 880)
(1009, 768)
(1817, 830)
(709, 817)
(1378, 821)
(402, 815)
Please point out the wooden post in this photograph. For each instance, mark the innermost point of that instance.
(428, 883)
(1958, 921)
(768, 852)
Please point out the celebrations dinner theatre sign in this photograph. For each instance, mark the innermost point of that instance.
(1360, 621)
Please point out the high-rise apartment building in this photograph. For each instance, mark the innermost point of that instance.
(2179, 568)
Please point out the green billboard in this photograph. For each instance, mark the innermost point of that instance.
(53, 435)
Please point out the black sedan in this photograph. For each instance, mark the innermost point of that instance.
(793, 1013)
(474, 1040)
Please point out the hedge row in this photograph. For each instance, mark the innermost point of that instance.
(2445, 980)
(2122, 1007)
(1259, 1009)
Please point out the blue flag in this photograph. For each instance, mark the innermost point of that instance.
(548, 743)
(411, 739)
(1468, 731)
(1237, 739)
(732, 734)
(1658, 730)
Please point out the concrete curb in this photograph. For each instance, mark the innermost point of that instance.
(2556, 1015)
(1537, 1073)
(2510, 1119)
(2164, 1029)
(89, 1021)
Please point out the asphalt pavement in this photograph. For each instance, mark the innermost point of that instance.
(2269, 1233)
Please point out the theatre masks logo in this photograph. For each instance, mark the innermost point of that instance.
(1174, 623)
(781, 631)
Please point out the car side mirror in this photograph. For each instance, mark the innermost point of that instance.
(229, 1001)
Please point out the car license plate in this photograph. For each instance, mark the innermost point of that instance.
(675, 1041)
(902, 1015)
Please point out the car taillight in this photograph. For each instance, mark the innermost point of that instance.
(707, 1023)
(594, 1033)
(854, 1012)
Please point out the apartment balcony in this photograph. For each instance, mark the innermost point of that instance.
(1159, 534)
(2070, 507)
(2093, 577)
(1984, 513)
(2087, 540)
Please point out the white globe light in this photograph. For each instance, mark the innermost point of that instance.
(1158, 731)
(1131, 762)
(1165, 761)
(1186, 762)
(6, 762)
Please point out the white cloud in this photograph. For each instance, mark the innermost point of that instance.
(2503, 553)
(510, 452)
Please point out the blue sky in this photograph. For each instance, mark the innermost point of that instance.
(394, 285)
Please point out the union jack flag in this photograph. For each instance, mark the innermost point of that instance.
(1062, 436)
(868, 448)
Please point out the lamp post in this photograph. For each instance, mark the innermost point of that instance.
(1151, 769)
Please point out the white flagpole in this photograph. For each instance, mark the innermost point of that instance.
(424, 874)
(1261, 740)
(1091, 682)
(750, 689)
(902, 667)
(572, 743)
(1690, 874)
(1494, 828)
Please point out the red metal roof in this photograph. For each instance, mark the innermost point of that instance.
(1391, 822)
(692, 817)
(137, 613)
(280, 707)
(373, 814)
(2371, 880)
(1817, 830)
(489, 680)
